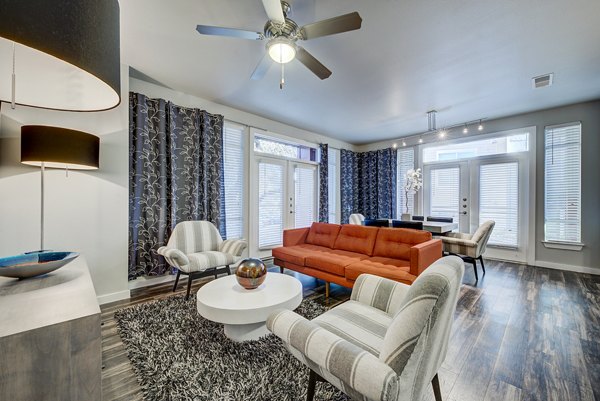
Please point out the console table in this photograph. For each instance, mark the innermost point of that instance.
(50, 336)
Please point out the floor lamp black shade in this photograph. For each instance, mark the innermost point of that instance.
(66, 54)
(59, 148)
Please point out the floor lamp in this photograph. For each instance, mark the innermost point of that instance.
(54, 147)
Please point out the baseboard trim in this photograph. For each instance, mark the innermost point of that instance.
(570, 268)
(142, 282)
(113, 297)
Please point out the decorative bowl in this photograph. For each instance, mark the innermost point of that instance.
(251, 273)
(33, 264)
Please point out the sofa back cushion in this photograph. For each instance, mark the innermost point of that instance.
(323, 234)
(355, 238)
(396, 242)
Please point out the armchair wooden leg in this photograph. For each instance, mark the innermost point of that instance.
(436, 388)
(228, 270)
(327, 289)
(189, 287)
(482, 265)
(176, 280)
(474, 262)
(313, 378)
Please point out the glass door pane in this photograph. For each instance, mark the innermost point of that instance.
(499, 201)
(304, 196)
(444, 192)
(271, 203)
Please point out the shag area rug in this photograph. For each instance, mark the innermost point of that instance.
(178, 355)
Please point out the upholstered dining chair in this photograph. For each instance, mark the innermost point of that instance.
(386, 343)
(196, 249)
(470, 247)
(356, 218)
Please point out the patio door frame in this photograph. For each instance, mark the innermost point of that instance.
(527, 190)
(289, 198)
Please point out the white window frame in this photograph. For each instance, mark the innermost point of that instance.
(552, 243)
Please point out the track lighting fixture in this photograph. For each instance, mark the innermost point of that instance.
(480, 127)
(466, 129)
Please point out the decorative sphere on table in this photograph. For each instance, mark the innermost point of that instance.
(251, 273)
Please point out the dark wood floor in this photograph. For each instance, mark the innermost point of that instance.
(520, 334)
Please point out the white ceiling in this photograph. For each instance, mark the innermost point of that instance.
(468, 59)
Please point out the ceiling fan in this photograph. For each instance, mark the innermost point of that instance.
(281, 34)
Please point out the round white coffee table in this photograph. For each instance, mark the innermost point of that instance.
(244, 312)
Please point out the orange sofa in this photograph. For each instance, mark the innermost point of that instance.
(339, 254)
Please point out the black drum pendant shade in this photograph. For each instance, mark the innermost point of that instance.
(66, 53)
(59, 148)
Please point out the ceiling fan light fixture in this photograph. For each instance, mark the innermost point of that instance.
(281, 50)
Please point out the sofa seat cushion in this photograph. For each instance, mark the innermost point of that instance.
(396, 242)
(358, 239)
(394, 269)
(358, 323)
(323, 234)
(334, 261)
(297, 254)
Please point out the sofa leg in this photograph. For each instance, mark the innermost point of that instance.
(189, 287)
(482, 265)
(327, 289)
(281, 269)
(436, 388)
(176, 280)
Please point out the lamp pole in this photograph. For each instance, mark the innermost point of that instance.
(42, 210)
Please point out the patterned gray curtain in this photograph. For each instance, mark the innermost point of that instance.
(368, 184)
(175, 174)
(324, 184)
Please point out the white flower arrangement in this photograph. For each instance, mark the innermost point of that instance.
(413, 182)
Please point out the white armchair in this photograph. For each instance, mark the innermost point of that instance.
(387, 343)
(196, 248)
(356, 218)
(470, 247)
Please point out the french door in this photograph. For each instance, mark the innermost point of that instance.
(477, 190)
(284, 197)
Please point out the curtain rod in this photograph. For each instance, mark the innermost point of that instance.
(245, 124)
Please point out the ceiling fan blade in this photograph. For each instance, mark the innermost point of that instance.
(343, 23)
(274, 10)
(262, 68)
(312, 63)
(231, 32)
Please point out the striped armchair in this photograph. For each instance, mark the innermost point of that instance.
(387, 343)
(196, 248)
(470, 247)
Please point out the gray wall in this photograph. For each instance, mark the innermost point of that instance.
(589, 115)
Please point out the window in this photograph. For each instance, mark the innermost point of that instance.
(332, 186)
(499, 201)
(517, 142)
(445, 192)
(233, 167)
(276, 147)
(271, 201)
(562, 189)
(406, 161)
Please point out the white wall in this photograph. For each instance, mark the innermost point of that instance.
(86, 212)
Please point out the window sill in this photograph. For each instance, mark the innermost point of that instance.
(568, 246)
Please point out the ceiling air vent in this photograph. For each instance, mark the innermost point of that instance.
(542, 81)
